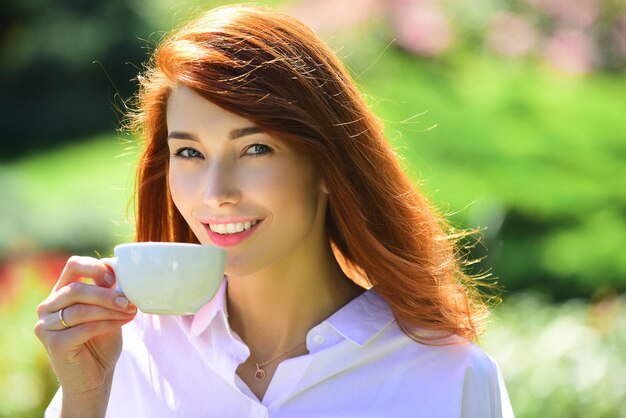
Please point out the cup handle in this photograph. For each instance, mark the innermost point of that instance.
(112, 263)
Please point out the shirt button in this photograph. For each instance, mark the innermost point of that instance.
(319, 339)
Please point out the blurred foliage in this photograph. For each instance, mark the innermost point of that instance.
(576, 37)
(61, 65)
(28, 383)
(76, 198)
(563, 360)
(530, 153)
(67, 68)
(500, 158)
(533, 156)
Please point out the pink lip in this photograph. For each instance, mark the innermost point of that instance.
(230, 239)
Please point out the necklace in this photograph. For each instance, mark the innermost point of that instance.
(260, 373)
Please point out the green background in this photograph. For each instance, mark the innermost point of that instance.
(530, 154)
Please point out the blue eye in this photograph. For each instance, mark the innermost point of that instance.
(188, 153)
(256, 150)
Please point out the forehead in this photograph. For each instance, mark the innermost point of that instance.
(189, 110)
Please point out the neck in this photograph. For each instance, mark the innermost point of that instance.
(273, 310)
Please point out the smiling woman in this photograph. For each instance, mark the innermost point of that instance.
(343, 295)
(224, 175)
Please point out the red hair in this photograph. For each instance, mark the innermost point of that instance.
(274, 71)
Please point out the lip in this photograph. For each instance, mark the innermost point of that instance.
(231, 239)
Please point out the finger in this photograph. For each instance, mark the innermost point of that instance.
(108, 262)
(80, 313)
(83, 293)
(78, 267)
(78, 335)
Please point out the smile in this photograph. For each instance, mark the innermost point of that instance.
(232, 228)
(230, 233)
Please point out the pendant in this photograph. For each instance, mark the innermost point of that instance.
(259, 374)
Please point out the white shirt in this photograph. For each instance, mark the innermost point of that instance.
(360, 364)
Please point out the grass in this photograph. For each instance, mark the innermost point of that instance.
(74, 198)
(536, 139)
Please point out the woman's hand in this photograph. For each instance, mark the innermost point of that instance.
(80, 326)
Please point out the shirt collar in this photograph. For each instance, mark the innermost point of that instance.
(203, 318)
(362, 318)
(359, 320)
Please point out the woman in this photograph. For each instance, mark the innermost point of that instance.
(256, 140)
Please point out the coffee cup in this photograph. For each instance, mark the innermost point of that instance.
(168, 278)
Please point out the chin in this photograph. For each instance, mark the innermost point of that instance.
(238, 267)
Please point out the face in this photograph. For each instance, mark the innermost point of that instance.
(241, 189)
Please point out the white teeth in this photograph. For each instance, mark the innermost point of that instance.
(225, 229)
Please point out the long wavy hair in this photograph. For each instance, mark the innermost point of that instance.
(271, 69)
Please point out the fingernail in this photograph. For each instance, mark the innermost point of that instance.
(121, 301)
(109, 279)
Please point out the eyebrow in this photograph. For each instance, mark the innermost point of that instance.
(238, 133)
(234, 134)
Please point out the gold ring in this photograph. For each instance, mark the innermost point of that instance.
(63, 320)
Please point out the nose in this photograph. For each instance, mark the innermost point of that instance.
(221, 185)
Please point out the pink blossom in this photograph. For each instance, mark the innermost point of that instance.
(332, 16)
(421, 27)
(579, 14)
(571, 51)
(510, 35)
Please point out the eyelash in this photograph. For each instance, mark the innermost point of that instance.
(268, 150)
(179, 152)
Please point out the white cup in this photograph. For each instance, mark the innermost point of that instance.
(168, 278)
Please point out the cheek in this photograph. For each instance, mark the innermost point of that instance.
(289, 187)
(181, 189)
